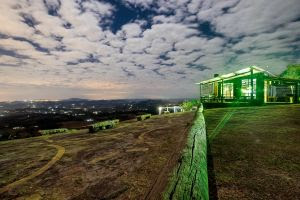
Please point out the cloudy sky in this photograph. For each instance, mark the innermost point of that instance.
(107, 49)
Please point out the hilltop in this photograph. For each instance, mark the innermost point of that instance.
(120, 163)
(252, 154)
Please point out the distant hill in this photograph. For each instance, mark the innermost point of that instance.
(292, 72)
(75, 99)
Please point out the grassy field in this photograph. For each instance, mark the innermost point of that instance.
(120, 163)
(254, 152)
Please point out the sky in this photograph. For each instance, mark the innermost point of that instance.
(119, 49)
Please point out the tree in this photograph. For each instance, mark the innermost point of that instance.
(188, 105)
(292, 71)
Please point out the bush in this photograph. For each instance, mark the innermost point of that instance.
(292, 71)
(143, 117)
(188, 105)
(103, 125)
(53, 131)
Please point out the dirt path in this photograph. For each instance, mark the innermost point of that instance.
(59, 154)
(141, 136)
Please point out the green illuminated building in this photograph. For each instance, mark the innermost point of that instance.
(250, 85)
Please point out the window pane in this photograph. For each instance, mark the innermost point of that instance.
(228, 90)
(246, 88)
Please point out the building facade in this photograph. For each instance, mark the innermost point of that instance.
(249, 85)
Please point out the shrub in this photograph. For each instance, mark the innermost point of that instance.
(292, 71)
(53, 131)
(143, 117)
(103, 125)
(188, 105)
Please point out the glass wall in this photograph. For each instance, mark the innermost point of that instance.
(246, 88)
(228, 90)
(207, 90)
(280, 93)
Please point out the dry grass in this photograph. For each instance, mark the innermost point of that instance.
(256, 154)
(120, 163)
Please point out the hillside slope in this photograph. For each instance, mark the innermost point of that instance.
(120, 163)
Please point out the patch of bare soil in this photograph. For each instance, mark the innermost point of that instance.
(120, 163)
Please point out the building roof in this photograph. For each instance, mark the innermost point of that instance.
(239, 73)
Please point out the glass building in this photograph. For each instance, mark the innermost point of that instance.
(249, 85)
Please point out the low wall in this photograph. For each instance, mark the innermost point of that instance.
(189, 180)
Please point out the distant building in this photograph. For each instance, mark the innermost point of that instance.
(249, 85)
(169, 109)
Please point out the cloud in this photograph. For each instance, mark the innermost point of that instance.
(249, 17)
(92, 45)
(139, 3)
(131, 30)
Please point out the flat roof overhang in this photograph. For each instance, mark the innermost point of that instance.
(239, 73)
(283, 79)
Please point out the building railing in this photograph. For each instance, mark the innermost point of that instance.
(242, 99)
